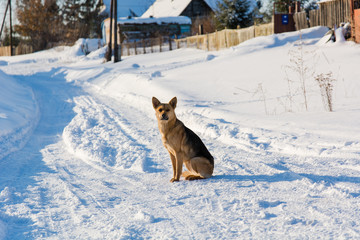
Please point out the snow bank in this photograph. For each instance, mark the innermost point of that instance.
(19, 114)
(98, 135)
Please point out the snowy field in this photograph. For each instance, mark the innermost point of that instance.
(81, 156)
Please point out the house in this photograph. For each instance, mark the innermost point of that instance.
(166, 18)
(141, 28)
(199, 11)
(189, 8)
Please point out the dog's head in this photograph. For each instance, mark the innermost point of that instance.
(164, 111)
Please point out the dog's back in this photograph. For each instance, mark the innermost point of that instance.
(198, 146)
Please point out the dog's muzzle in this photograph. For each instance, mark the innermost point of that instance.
(164, 117)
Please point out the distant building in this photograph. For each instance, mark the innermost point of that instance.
(166, 18)
(199, 11)
(142, 28)
(190, 8)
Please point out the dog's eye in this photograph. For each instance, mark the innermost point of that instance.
(160, 109)
(167, 110)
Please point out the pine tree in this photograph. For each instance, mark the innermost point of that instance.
(91, 18)
(233, 13)
(71, 14)
(82, 18)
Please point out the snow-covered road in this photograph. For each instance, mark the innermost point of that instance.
(94, 166)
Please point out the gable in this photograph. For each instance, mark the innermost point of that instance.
(174, 8)
(197, 8)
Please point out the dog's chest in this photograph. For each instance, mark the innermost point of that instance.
(169, 145)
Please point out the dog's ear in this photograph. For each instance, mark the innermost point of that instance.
(155, 102)
(173, 102)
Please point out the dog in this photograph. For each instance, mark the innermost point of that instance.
(183, 145)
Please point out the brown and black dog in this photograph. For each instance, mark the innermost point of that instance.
(183, 145)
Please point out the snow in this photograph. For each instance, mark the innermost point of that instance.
(18, 113)
(82, 158)
(162, 20)
(165, 8)
(139, 7)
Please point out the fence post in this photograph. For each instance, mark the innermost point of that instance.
(135, 47)
(160, 43)
(170, 46)
(225, 31)
(197, 41)
(207, 42)
(144, 45)
(151, 45)
(217, 40)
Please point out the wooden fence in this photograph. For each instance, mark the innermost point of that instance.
(225, 38)
(329, 14)
(314, 18)
(334, 12)
(300, 20)
(19, 50)
(149, 45)
(212, 41)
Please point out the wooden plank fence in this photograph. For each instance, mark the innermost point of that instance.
(329, 14)
(149, 45)
(212, 41)
(335, 12)
(300, 20)
(19, 50)
(314, 18)
(225, 38)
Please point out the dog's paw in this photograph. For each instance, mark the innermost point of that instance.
(174, 180)
(192, 177)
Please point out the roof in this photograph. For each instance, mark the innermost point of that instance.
(161, 20)
(164, 8)
(325, 1)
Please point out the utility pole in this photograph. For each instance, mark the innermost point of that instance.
(116, 47)
(109, 50)
(3, 22)
(11, 42)
(8, 6)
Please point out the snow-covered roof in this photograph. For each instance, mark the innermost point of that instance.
(139, 7)
(161, 20)
(324, 1)
(164, 8)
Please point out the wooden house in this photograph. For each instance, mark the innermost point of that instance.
(190, 8)
(199, 11)
(142, 28)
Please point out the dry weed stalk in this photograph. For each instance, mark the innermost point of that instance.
(326, 88)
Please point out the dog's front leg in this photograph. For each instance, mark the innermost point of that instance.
(173, 161)
(178, 168)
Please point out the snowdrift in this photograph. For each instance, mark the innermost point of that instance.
(19, 114)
